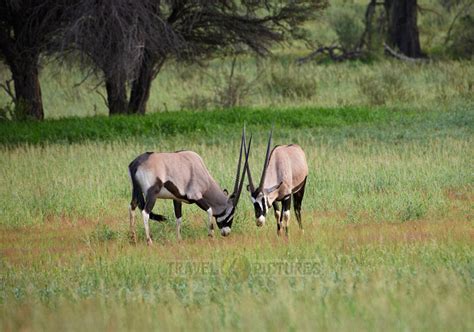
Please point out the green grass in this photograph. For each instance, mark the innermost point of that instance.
(273, 83)
(387, 212)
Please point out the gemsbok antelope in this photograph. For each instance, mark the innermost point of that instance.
(284, 175)
(182, 177)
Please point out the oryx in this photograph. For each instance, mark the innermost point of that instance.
(284, 175)
(182, 177)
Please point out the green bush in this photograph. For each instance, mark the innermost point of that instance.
(289, 85)
(383, 87)
(347, 22)
(462, 40)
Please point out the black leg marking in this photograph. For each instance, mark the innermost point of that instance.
(210, 224)
(286, 205)
(203, 204)
(150, 199)
(177, 209)
(276, 208)
(298, 197)
(177, 212)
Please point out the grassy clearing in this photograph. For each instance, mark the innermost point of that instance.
(278, 82)
(413, 276)
(388, 217)
(381, 165)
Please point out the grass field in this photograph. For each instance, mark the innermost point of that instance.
(388, 211)
(388, 214)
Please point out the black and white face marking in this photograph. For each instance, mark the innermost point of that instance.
(224, 220)
(259, 201)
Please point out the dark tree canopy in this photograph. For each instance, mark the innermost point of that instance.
(127, 42)
(130, 43)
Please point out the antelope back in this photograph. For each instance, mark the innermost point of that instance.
(185, 169)
(288, 166)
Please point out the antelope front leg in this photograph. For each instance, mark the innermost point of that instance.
(210, 224)
(285, 217)
(276, 212)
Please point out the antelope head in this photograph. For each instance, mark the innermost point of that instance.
(259, 195)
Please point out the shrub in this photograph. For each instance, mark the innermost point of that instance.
(380, 88)
(291, 85)
(347, 23)
(462, 41)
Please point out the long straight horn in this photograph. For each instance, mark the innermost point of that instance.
(241, 184)
(265, 164)
(249, 176)
(237, 177)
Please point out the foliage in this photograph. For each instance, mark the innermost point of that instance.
(384, 87)
(316, 86)
(462, 43)
(347, 22)
(294, 87)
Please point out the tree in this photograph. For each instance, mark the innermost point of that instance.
(402, 27)
(25, 28)
(108, 38)
(202, 29)
(131, 42)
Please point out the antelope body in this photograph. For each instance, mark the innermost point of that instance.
(182, 177)
(283, 177)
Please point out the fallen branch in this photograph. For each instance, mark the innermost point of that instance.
(401, 56)
(335, 53)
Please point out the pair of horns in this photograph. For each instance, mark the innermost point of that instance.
(265, 166)
(239, 181)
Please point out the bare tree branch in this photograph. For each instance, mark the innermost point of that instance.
(8, 89)
(463, 10)
(335, 53)
(403, 57)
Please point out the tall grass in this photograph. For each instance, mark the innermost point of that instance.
(276, 82)
(386, 166)
(387, 214)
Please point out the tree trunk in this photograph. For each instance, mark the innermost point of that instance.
(116, 96)
(402, 27)
(28, 100)
(141, 86)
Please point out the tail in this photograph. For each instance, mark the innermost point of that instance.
(157, 217)
(137, 195)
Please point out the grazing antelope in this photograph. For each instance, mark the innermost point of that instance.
(284, 175)
(182, 177)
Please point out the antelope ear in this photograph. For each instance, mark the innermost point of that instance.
(226, 192)
(248, 188)
(272, 189)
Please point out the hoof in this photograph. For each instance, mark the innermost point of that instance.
(149, 242)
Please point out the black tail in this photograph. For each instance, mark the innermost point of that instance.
(157, 217)
(137, 195)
